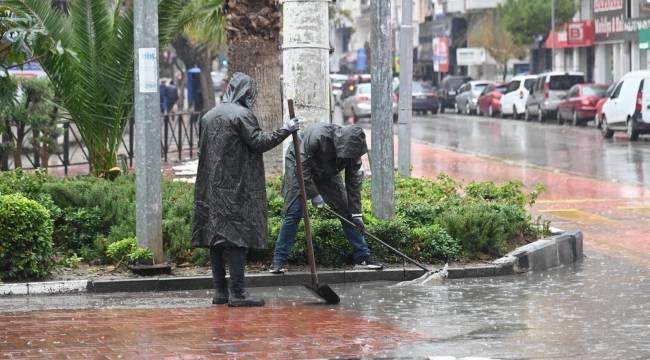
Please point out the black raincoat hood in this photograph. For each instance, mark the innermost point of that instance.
(350, 142)
(242, 90)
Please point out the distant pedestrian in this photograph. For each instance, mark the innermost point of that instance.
(230, 194)
(171, 94)
(163, 97)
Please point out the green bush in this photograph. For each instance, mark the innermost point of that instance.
(120, 250)
(25, 238)
(436, 220)
(78, 227)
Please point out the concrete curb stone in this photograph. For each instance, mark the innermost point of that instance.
(559, 249)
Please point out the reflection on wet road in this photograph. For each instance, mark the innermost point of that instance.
(580, 151)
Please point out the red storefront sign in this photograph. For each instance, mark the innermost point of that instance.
(441, 54)
(573, 34)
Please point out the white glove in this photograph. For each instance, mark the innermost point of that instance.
(318, 202)
(292, 124)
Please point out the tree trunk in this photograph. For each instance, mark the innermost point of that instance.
(18, 150)
(207, 88)
(253, 32)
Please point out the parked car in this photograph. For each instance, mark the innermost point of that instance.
(449, 90)
(357, 106)
(424, 98)
(513, 102)
(489, 102)
(579, 105)
(600, 103)
(467, 96)
(628, 107)
(546, 94)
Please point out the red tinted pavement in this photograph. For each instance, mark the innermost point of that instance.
(218, 332)
(615, 218)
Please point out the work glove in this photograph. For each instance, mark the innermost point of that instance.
(291, 124)
(318, 202)
(357, 219)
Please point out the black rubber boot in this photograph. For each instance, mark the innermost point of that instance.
(218, 264)
(239, 297)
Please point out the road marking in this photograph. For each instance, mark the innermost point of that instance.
(576, 215)
(643, 210)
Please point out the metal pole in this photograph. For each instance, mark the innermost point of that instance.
(383, 177)
(147, 127)
(405, 89)
(552, 35)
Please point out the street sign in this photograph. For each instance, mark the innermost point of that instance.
(471, 56)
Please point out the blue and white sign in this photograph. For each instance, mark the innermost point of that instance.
(148, 70)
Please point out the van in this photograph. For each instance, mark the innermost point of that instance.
(628, 107)
(449, 90)
(548, 93)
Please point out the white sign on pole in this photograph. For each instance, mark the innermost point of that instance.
(471, 56)
(148, 70)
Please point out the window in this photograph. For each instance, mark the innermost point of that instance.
(363, 89)
(529, 83)
(594, 91)
(617, 91)
(565, 82)
(480, 87)
(513, 86)
(573, 92)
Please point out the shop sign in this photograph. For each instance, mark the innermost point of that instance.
(609, 20)
(471, 56)
(441, 54)
(573, 34)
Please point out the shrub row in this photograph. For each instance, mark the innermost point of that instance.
(435, 220)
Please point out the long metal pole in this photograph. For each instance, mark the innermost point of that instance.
(552, 35)
(147, 127)
(405, 89)
(382, 164)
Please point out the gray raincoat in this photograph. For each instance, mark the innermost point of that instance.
(327, 150)
(230, 194)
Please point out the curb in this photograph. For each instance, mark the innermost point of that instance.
(562, 248)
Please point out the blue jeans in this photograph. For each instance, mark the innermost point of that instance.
(287, 236)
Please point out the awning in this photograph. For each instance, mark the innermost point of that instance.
(644, 39)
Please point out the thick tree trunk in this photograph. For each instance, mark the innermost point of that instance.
(260, 59)
(207, 89)
(253, 32)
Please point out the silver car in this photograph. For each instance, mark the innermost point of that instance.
(548, 92)
(467, 98)
(357, 105)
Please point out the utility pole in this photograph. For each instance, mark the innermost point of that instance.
(552, 35)
(381, 164)
(148, 194)
(305, 57)
(405, 89)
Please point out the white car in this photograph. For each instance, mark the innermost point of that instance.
(628, 107)
(513, 102)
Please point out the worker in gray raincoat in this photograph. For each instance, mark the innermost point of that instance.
(326, 151)
(230, 194)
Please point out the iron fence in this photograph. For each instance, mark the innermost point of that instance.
(180, 136)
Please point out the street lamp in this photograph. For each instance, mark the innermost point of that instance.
(552, 35)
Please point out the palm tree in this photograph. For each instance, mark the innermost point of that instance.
(205, 31)
(253, 36)
(94, 81)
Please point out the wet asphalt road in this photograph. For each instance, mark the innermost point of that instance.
(580, 150)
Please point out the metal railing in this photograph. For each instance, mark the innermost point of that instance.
(180, 136)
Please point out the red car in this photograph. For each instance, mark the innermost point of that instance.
(599, 106)
(579, 104)
(489, 102)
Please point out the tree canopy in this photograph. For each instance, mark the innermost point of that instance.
(529, 19)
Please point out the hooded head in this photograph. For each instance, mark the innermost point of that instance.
(242, 90)
(350, 142)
